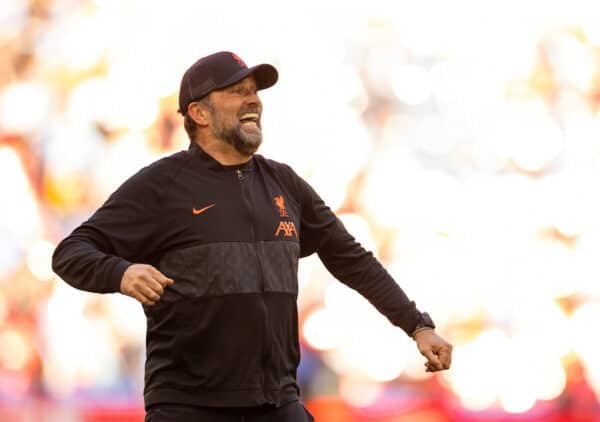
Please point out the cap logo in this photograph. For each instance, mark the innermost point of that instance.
(237, 59)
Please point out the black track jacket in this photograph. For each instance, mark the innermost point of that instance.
(226, 332)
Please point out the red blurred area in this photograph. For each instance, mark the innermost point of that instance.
(324, 409)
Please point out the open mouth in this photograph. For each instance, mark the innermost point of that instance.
(249, 117)
(250, 121)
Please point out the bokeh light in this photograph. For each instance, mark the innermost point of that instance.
(23, 107)
(40, 260)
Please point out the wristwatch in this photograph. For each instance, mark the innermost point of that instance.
(424, 322)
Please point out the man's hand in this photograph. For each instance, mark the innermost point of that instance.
(144, 283)
(437, 350)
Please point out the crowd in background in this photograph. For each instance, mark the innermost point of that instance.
(459, 141)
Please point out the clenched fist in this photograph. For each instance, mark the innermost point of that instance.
(144, 283)
(437, 350)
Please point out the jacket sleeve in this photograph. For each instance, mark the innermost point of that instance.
(97, 253)
(322, 232)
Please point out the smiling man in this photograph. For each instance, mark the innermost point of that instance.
(208, 241)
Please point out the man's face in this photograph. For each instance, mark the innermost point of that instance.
(235, 115)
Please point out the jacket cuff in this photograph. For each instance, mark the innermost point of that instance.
(116, 274)
(407, 318)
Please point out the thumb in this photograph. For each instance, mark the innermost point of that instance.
(161, 277)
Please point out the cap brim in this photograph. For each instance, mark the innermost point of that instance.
(265, 76)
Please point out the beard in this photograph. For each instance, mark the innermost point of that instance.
(243, 141)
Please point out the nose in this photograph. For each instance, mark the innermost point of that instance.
(252, 103)
(253, 99)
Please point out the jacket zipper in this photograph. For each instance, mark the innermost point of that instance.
(241, 178)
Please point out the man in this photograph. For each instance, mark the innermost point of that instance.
(208, 240)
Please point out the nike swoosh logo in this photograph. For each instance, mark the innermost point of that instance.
(201, 210)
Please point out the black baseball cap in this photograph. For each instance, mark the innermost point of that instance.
(217, 71)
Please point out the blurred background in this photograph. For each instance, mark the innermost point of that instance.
(459, 141)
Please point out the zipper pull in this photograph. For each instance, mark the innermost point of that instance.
(240, 175)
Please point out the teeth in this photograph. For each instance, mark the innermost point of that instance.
(253, 116)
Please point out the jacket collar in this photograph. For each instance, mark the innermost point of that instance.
(202, 159)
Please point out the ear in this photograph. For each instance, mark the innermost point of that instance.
(198, 113)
